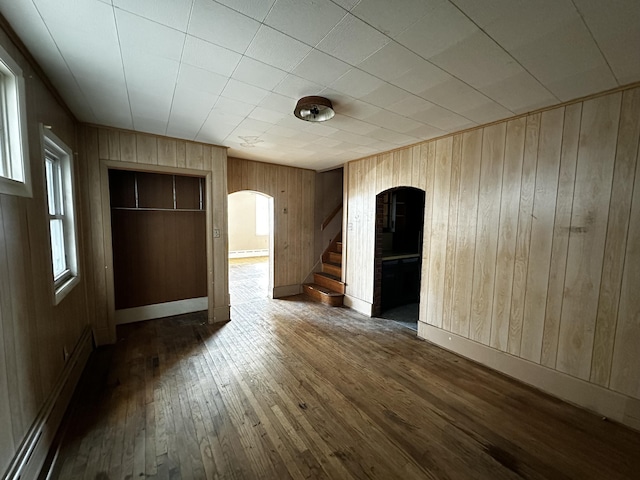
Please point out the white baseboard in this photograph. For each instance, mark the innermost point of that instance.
(358, 305)
(160, 310)
(600, 400)
(287, 290)
(30, 458)
(249, 253)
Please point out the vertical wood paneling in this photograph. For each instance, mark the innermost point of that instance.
(540, 253)
(489, 196)
(417, 169)
(450, 258)
(29, 389)
(103, 144)
(181, 154)
(355, 279)
(439, 223)
(616, 243)
(114, 145)
(293, 191)
(7, 441)
(384, 172)
(128, 147)
(598, 136)
(221, 243)
(281, 224)
(402, 167)
(428, 156)
(369, 177)
(146, 149)
(562, 223)
(523, 236)
(466, 230)
(549, 148)
(12, 408)
(92, 159)
(625, 372)
(195, 156)
(308, 195)
(167, 152)
(34, 331)
(293, 235)
(507, 229)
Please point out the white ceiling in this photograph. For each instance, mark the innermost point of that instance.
(229, 72)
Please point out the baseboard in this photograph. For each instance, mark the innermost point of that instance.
(595, 398)
(358, 305)
(249, 253)
(286, 290)
(160, 310)
(29, 459)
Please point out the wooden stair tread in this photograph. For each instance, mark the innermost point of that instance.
(323, 290)
(329, 276)
(322, 294)
(333, 264)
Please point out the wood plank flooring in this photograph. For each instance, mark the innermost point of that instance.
(294, 389)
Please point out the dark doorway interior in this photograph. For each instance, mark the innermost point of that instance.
(399, 232)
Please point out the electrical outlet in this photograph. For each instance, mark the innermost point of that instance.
(216, 233)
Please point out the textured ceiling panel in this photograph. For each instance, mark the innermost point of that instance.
(230, 71)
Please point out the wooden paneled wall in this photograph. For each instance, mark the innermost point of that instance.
(293, 192)
(33, 332)
(532, 236)
(103, 147)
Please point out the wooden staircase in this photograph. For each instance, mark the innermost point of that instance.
(327, 287)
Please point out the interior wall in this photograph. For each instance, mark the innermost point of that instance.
(242, 224)
(34, 333)
(532, 236)
(293, 191)
(139, 151)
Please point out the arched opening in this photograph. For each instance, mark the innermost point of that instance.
(399, 234)
(250, 227)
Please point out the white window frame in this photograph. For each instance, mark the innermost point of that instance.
(15, 176)
(63, 208)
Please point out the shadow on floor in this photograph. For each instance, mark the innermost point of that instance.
(406, 315)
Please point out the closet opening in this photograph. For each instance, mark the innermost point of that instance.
(158, 232)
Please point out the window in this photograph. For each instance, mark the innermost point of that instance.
(58, 162)
(14, 164)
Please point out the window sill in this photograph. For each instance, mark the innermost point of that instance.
(13, 187)
(62, 290)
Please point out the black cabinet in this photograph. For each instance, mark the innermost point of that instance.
(400, 281)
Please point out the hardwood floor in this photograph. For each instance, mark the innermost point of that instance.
(294, 389)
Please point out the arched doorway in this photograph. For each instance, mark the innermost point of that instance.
(399, 234)
(250, 227)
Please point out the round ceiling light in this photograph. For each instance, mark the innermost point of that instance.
(314, 109)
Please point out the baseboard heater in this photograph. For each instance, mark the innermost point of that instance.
(33, 451)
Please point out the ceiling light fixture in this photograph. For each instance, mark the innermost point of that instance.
(314, 109)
